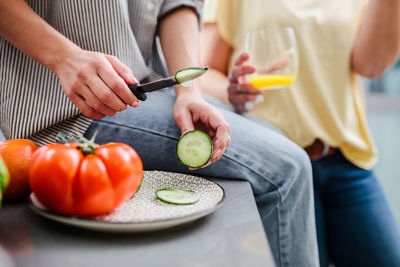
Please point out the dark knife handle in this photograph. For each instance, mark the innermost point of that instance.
(137, 91)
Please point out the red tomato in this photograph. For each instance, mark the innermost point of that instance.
(17, 155)
(67, 181)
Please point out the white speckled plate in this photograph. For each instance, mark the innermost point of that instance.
(144, 212)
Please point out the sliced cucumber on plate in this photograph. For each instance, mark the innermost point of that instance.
(177, 196)
(194, 149)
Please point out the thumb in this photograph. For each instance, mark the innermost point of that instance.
(184, 122)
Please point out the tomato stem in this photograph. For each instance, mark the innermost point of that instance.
(93, 137)
(88, 146)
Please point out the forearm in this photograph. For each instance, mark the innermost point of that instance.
(26, 30)
(179, 36)
(215, 53)
(377, 44)
(94, 82)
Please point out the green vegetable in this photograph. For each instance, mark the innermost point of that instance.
(184, 76)
(194, 149)
(4, 178)
(140, 185)
(177, 196)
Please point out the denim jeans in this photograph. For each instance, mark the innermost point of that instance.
(279, 171)
(354, 223)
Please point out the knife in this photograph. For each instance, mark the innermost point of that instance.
(183, 77)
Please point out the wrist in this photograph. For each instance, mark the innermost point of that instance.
(60, 55)
(192, 91)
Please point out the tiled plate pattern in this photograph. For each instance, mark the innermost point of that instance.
(144, 207)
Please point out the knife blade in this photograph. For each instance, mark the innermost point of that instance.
(180, 77)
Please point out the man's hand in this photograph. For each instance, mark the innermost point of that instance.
(96, 83)
(193, 112)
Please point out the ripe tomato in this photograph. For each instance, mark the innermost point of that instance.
(17, 154)
(73, 180)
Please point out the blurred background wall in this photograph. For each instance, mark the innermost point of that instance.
(383, 103)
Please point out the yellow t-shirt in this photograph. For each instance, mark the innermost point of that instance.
(326, 101)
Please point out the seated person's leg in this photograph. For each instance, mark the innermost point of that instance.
(278, 170)
(360, 228)
(219, 104)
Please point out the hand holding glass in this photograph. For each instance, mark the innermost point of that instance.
(273, 52)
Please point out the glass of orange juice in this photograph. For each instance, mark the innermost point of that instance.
(273, 51)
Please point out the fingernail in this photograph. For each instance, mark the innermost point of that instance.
(208, 164)
(135, 103)
(259, 99)
(217, 154)
(249, 105)
(130, 77)
(184, 131)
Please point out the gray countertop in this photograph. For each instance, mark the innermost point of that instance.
(231, 236)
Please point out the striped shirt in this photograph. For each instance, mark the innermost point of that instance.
(32, 103)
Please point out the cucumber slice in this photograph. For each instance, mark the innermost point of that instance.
(194, 149)
(4, 178)
(185, 76)
(140, 185)
(177, 196)
(4, 175)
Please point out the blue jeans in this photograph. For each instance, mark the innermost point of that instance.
(354, 223)
(278, 170)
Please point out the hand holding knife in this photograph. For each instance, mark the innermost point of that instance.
(181, 77)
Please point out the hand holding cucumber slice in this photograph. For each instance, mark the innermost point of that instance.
(194, 149)
(177, 196)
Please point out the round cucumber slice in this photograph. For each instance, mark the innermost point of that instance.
(194, 149)
(184, 76)
(177, 196)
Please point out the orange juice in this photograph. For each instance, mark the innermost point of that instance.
(271, 80)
